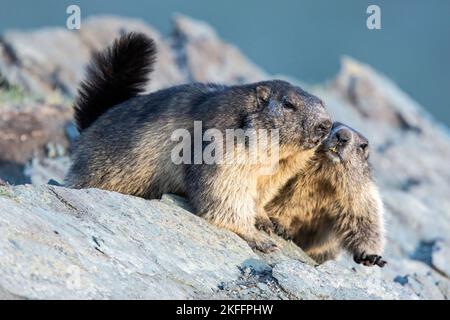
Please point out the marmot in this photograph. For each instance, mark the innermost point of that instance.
(333, 202)
(125, 143)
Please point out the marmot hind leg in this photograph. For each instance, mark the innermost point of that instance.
(324, 253)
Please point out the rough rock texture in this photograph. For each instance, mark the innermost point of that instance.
(204, 57)
(39, 61)
(57, 243)
(26, 132)
(410, 155)
(323, 282)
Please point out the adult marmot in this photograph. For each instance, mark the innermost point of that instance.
(125, 143)
(333, 202)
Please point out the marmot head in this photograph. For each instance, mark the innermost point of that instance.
(346, 150)
(300, 117)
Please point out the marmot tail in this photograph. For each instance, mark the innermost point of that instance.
(114, 75)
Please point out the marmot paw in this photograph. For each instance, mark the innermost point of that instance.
(265, 246)
(264, 224)
(369, 259)
(280, 230)
(260, 243)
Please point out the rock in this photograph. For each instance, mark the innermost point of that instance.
(4, 295)
(38, 61)
(375, 97)
(173, 199)
(425, 286)
(40, 171)
(25, 133)
(330, 281)
(256, 266)
(57, 243)
(121, 247)
(424, 280)
(72, 133)
(13, 173)
(34, 130)
(204, 57)
(440, 258)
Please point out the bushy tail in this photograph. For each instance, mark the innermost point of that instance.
(114, 75)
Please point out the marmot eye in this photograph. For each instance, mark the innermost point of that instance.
(363, 146)
(289, 105)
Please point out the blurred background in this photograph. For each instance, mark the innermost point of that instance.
(303, 39)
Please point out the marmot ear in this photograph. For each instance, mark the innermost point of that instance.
(262, 94)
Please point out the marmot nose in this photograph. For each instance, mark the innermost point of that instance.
(343, 135)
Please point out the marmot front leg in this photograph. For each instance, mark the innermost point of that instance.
(215, 195)
(263, 222)
(370, 260)
(363, 237)
(323, 255)
(280, 229)
(247, 232)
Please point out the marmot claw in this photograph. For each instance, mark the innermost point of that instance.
(369, 260)
(264, 224)
(280, 230)
(261, 244)
(264, 246)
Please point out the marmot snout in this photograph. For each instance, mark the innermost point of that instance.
(346, 147)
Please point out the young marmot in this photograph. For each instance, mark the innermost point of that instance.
(126, 139)
(333, 202)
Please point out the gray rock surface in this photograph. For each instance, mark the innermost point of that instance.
(204, 57)
(57, 243)
(441, 258)
(331, 281)
(410, 155)
(32, 131)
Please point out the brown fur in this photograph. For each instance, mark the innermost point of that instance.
(333, 204)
